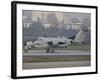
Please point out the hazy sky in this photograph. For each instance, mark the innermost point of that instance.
(56, 17)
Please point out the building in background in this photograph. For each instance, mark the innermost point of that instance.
(56, 19)
(27, 18)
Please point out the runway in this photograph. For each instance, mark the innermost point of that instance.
(57, 52)
(34, 59)
(43, 65)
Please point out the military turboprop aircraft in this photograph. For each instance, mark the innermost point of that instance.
(52, 43)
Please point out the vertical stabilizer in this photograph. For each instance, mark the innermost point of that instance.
(80, 37)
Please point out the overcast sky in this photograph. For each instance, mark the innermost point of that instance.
(56, 17)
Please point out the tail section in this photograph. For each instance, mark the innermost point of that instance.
(80, 36)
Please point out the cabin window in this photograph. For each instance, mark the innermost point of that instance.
(61, 43)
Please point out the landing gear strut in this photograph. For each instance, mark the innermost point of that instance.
(50, 50)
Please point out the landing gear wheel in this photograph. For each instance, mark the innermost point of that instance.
(48, 50)
(52, 50)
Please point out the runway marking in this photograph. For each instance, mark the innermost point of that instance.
(42, 53)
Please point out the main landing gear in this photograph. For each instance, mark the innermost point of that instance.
(51, 50)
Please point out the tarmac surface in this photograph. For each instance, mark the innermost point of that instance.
(40, 65)
(43, 65)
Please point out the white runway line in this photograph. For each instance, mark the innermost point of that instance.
(40, 53)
